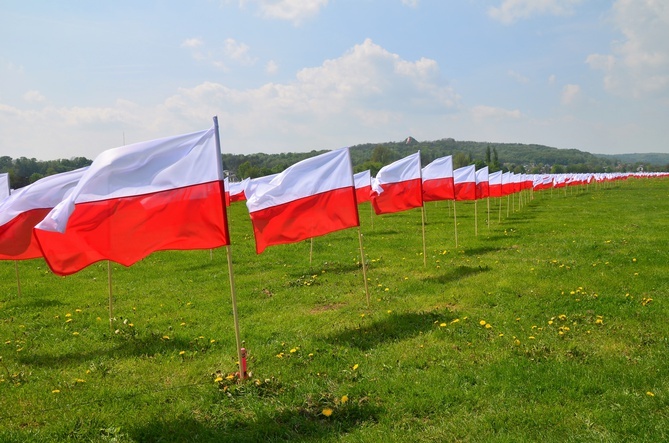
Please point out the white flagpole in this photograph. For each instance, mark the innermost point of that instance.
(233, 295)
(18, 280)
(109, 286)
(364, 265)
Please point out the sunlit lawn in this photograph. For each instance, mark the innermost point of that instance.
(548, 326)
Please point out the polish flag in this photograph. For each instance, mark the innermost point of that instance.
(363, 186)
(465, 183)
(21, 211)
(398, 186)
(236, 190)
(438, 180)
(137, 199)
(311, 198)
(507, 183)
(495, 180)
(542, 182)
(482, 183)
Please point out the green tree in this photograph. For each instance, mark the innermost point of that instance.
(461, 159)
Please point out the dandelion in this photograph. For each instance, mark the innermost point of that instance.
(482, 322)
(68, 320)
(68, 315)
(517, 342)
(212, 341)
(650, 394)
(77, 310)
(355, 366)
(182, 352)
(218, 379)
(387, 289)
(183, 324)
(55, 391)
(311, 354)
(327, 412)
(441, 325)
(294, 350)
(488, 326)
(80, 380)
(599, 321)
(550, 322)
(455, 320)
(230, 377)
(75, 333)
(562, 317)
(344, 399)
(531, 337)
(166, 337)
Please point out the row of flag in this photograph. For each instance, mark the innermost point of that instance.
(170, 194)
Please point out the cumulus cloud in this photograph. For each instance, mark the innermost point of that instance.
(639, 62)
(231, 52)
(191, 43)
(271, 67)
(569, 94)
(510, 11)
(295, 11)
(483, 112)
(33, 96)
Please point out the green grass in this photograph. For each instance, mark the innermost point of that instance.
(548, 326)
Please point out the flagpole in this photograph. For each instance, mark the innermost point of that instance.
(311, 250)
(364, 265)
(18, 280)
(423, 223)
(476, 218)
(488, 201)
(455, 221)
(233, 294)
(235, 317)
(109, 286)
(499, 206)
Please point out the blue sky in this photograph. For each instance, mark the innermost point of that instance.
(81, 76)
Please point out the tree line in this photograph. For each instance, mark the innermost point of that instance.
(514, 157)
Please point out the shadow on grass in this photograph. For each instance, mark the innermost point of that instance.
(480, 251)
(392, 328)
(41, 302)
(120, 347)
(379, 232)
(292, 424)
(458, 273)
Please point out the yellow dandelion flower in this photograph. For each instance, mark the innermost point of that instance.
(166, 337)
(182, 352)
(344, 399)
(75, 333)
(327, 412)
(517, 342)
(279, 355)
(650, 394)
(230, 377)
(550, 322)
(55, 391)
(389, 311)
(488, 326)
(482, 322)
(68, 320)
(441, 325)
(218, 379)
(455, 320)
(387, 289)
(80, 380)
(362, 315)
(531, 337)
(68, 315)
(599, 321)
(77, 310)
(355, 366)
(212, 341)
(311, 354)
(292, 351)
(183, 324)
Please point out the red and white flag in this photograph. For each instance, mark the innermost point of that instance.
(495, 183)
(134, 200)
(482, 183)
(311, 198)
(27, 206)
(465, 183)
(363, 186)
(438, 180)
(398, 186)
(507, 183)
(236, 190)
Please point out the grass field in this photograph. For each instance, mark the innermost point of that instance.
(550, 325)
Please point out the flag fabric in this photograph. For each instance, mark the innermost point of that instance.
(4, 186)
(482, 183)
(438, 180)
(236, 190)
(495, 183)
(310, 198)
(137, 199)
(465, 183)
(363, 186)
(398, 186)
(27, 206)
(507, 183)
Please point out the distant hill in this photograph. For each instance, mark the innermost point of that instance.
(653, 158)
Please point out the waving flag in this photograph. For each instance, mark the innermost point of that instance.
(507, 183)
(363, 186)
(398, 186)
(438, 180)
(21, 211)
(482, 183)
(311, 198)
(137, 199)
(465, 183)
(495, 183)
(236, 190)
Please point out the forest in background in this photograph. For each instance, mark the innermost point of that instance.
(515, 157)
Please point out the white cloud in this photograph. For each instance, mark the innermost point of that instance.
(237, 51)
(639, 62)
(271, 67)
(33, 96)
(295, 11)
(570, 93)
(231, 52)
(510, 11)
(518, 77)
(483, 112)
(410, 3)
(192, 43)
